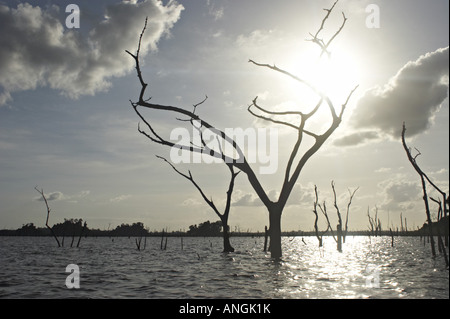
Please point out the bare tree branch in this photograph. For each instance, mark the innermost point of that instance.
(240, 163)
(323, 209)
(335, 204)
(319, 234)
(348, 209)
(41, 191)
(223, 216)
(320, 42)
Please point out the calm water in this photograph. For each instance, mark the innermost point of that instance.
(33, 267)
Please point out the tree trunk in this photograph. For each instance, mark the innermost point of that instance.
(339, 237)
(227, 248)
(392, 237)
(266, 235)
(275, 232)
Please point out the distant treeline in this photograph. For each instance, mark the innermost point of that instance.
(74, 227)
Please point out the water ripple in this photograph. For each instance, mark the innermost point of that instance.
(367, 268)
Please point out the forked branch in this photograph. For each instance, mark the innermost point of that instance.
(41, 191)
(240, 162)
(412, 160)
(320, 42)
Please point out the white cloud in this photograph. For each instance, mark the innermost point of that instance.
(414, 95)
(36, 50)
(300, 195)
(214, 11)
(53, 196)
(383, 170)
(192, 202)
(256, 38)
(119, 198)
(247, 200)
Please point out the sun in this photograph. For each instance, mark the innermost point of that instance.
(334, 75)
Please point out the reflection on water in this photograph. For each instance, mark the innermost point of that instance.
(367, 268)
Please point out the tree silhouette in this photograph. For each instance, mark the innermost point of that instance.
(223, 216)
(424, 178)
(341, 229)
(239, 160)
(41, 191)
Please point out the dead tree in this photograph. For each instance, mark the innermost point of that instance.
(341, 231)
(163, 246)
(441, 245)
(239, 160)
(81, 234)
(323, 209)
(139, 241)
(444, 211)
(223, 216)
(266, 237)
(319, 234)
(48, 214)
(423, 178)
(351, 194)
(375, 223)
(391, 233)
(371, 223)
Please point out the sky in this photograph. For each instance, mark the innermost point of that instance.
(67, 125)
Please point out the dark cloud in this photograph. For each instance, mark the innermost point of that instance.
(400, 195)
(51, 196)
(37, 50)
(413, 95)
(356, 138)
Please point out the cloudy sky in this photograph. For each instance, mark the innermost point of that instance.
(66, 124)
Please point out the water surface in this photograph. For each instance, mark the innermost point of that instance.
(34, 267)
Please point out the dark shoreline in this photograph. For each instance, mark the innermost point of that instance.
(441, 227)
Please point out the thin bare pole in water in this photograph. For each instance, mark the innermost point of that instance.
(48, 213)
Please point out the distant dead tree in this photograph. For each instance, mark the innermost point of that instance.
(81, 233)
(391, 233)
(138, 241)
(341, 231)
(351, 195)
(374, 223)
(318, 233)
(238, 160)
(223, 216)
(41, 191)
